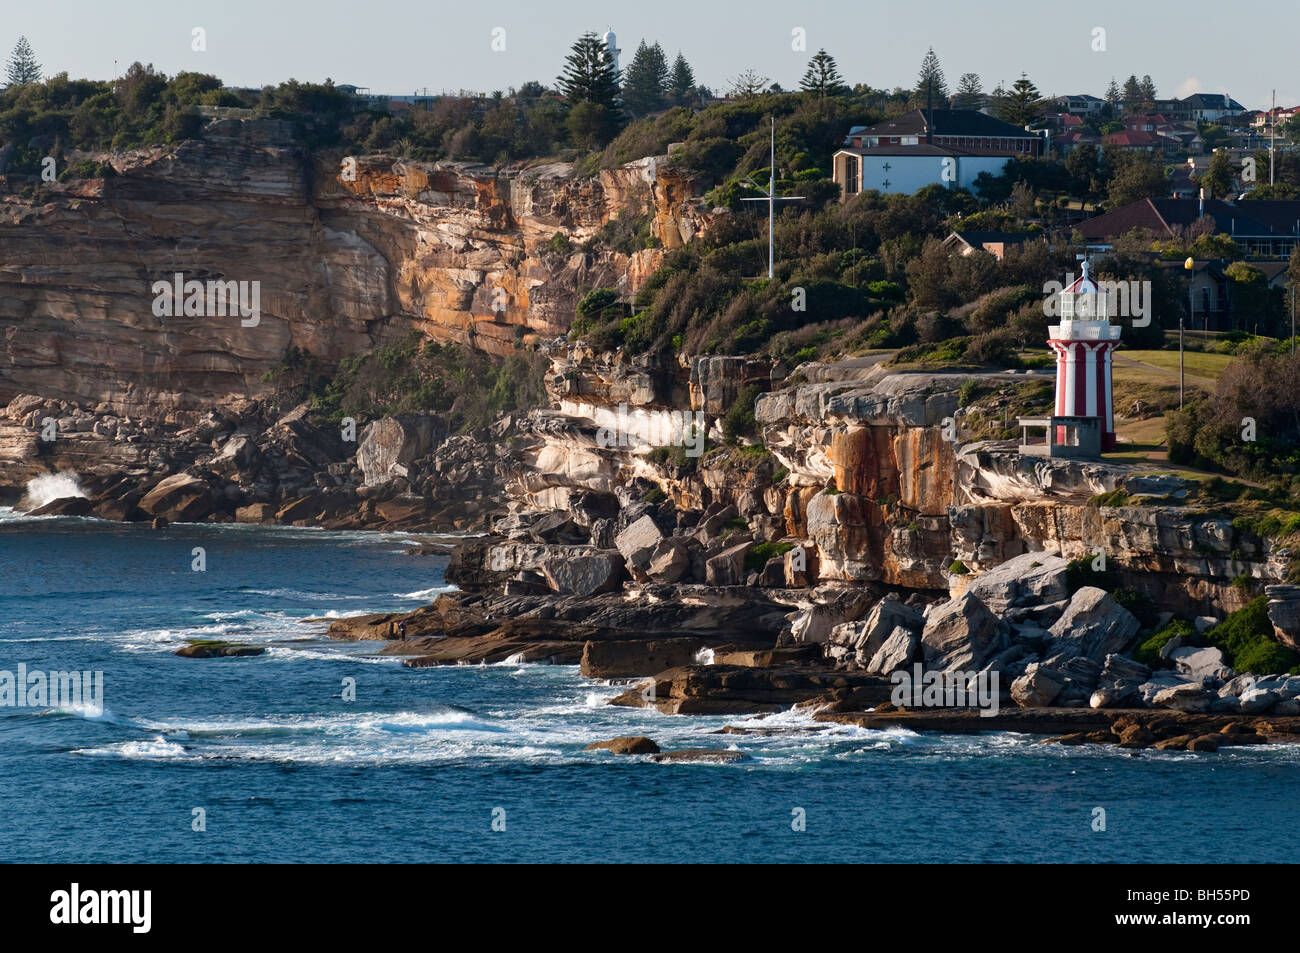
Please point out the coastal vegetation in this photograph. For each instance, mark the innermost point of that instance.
(1245, 637)
(410, 376)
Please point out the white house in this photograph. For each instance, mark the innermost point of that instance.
(949, 147)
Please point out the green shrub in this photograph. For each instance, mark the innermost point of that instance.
(413, 375)
(1079, 573)
(1148, 653)
(675, 458)
(739, 419)
(1246, 638)
(969, 391)
(1140, 604)
(758, 557)
(1113, 498)
(958, 568)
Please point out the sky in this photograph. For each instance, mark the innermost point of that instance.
(404, 46)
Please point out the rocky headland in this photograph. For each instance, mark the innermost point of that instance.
(859, 529)
(857, 537)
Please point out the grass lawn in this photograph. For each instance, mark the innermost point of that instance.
(1198, 363)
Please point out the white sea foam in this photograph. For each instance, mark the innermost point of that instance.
(302, 655)
(49, 487)
(156, 749)
(425, 594)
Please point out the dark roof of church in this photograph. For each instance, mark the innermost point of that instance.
(947, 122)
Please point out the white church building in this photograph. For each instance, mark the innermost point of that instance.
(949, 147)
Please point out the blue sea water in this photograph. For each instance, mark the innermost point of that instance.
(418, 767)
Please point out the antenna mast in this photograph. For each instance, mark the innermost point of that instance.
(771, 198)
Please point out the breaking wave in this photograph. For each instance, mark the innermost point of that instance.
(49, 487)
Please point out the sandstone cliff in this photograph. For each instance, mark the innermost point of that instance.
(871, 471)
(460, 252)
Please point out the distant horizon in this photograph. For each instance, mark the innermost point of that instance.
(418, 47)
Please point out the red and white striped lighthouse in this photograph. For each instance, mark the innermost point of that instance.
(1083, 343)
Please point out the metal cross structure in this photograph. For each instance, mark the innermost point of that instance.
(771, 198)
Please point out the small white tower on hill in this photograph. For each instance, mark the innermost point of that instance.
(611, 48)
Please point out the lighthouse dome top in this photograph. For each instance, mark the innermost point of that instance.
(1084, 299)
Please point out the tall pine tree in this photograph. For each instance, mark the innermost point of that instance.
(822, 78)
(23, 68)
(645, 81)
(747, 85)
(1132, 94)
(1148, 88)
(589, 84)
(970, 92)
(681, 82)
(998, 99)
(931, 82)
(1023, 106)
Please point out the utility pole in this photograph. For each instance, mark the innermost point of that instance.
(1272, 126)
(1189, 264)
(771, 199)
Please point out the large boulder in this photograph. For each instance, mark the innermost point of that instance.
(625, 744)
(727, 568)
(300, 445)
(858, 642)
(638, 541)
(1038, 687)
(389, 445)
(179, 498)
(706, 755)
(557, 527)
(1188, 697)
(1200, 662)
(714, 525)
(799, 566)
(255, 513)
(898, 651)
(1031, 577)
(239, 454)
(1119, 681)
(817, 623)
(670, 560)
(1284, 613)
(1093, 625)
(1160, 681)
(962, 634)
(64, 506)
(630, 658)
(582, 574)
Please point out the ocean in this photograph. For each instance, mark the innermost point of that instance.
(485, 763)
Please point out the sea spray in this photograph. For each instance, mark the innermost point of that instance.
(49, 487)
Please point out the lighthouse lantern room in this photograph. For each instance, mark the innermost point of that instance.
(1083, 343)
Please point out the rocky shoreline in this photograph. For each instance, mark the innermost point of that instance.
(695, 649)
(857, 535)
